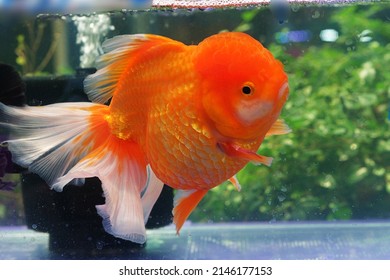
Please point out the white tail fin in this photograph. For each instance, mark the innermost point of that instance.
(63, 142)
(44, 138)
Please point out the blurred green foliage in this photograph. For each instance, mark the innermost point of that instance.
(28, 47)
(336, 162)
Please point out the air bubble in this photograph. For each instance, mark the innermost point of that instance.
(99, 245)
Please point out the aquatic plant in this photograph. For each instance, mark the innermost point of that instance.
(11, 202)
(28, 47)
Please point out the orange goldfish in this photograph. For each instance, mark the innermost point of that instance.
(187, 116)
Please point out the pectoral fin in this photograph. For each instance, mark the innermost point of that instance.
(278, 128)
(234, 150)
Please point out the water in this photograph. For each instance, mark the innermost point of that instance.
(334, 166)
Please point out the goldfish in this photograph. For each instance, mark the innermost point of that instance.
(161, 112)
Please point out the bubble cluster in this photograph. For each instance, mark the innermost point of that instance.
(240, 3)
(206, 3)
(90, 32)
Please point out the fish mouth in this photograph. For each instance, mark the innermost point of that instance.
(250, 112)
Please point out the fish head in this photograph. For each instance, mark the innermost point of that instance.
(243, 86)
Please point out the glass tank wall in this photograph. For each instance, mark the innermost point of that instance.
(335, 164)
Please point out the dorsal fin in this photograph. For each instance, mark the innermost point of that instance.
(278, 128)
(120, 52)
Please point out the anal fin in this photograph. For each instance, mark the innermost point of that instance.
(185, 202)
(235, 182)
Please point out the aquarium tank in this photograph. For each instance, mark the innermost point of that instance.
(326, 194)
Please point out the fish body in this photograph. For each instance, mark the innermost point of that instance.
(187, 116)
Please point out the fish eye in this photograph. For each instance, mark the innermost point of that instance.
(247, 89)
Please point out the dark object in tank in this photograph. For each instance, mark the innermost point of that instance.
(5, 166)
(71, 219)
(12, 87)
(280, 9)
(70, 216)
(12, 92)
(4, 160)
